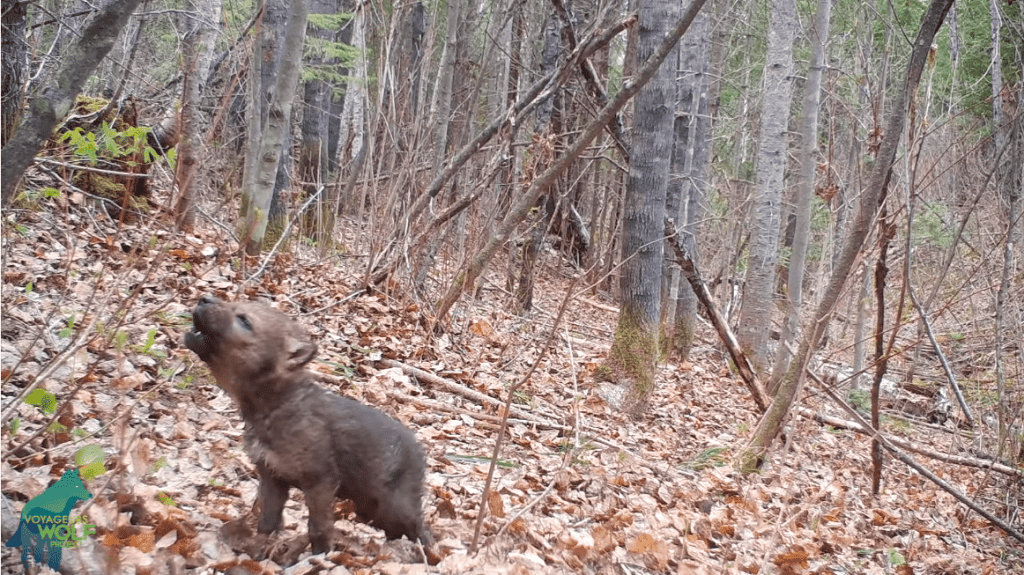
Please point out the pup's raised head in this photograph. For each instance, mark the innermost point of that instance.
(250, 347)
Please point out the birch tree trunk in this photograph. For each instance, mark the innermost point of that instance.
(689, 178)
(808, 164)
(440, 121)
(871, 198)
(195, 49)
(276, 130)
(759, 287)
(14, 62)
(635, 349)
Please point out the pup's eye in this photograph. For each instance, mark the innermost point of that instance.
(246, 323)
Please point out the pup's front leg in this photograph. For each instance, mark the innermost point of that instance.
(272, 496)
(320, 502)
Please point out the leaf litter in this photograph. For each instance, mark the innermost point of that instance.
(94, 315)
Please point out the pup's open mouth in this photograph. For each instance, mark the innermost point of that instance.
(197, 340)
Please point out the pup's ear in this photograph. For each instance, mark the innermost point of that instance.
(299, 353)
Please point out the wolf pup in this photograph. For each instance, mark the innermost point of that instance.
(299, 435)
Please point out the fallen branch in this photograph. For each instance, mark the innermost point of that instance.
(739, 358)
(433, 405)
(984, 464)
(82, 168)
(453, 387)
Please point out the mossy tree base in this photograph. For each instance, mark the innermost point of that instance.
(633, 361)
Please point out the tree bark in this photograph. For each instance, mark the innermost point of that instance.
(57, 94)
(635, 350)
(440, 124)
(276, 130)
(352, 134)
(269, 40)
(753, 457)
(758, 301)
(316, 123)
(14, 61)
(195, 51)
(1011, 183)
(547, 131)
(700, 291)
(805, 190)
(689, 183)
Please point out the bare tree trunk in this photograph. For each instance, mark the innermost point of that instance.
(635, 350)
(1011, 182)
(689, 169)
(873, 196)
(14, 62)
(507, 179)
(194, 49)
(440, 117)
(316, 123)
(275, 133)
(57, 94)
(269, 42)
(759, 287)
(996, 74)
(337, 103)
(859, 329)
(352, 135)
(116, 69)
(312, 167)
(808, 164)
(546, 130)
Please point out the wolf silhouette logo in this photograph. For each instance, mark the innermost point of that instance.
(45, 525)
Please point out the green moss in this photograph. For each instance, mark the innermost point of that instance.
(275, 228)
(634, 359)
(603, 373)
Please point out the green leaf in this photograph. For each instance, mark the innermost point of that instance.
(90, 454)
(92, 470)
(44, 400)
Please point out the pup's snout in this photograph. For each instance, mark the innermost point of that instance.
(207, 300)
(199, 339)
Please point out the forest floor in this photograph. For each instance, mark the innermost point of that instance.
(97, 313)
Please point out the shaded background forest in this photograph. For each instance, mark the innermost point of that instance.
(456, 110)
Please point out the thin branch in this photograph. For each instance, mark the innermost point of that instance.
(91, 169)
(509, 396)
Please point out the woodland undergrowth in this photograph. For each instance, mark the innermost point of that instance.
(95, 375)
